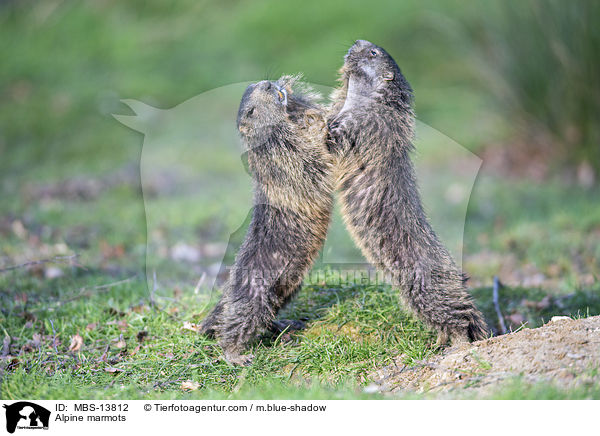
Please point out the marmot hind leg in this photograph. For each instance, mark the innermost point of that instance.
(430, 283)
(247, 311)
(286, 325)
(458, 323)
(209, 325)
(250, 305)
(442, 302)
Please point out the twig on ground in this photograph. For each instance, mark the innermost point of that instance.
(57, 259)
(521, 327)
(84, 292)
(497, 305)
(105, 354)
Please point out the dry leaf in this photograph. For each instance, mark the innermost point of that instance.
(19, 229)
(111, 251)
(142, 334)
(76, 343)
(121, 343)
(191, 326)
(112, 369)
(91, 326)
(105, 354)
(190, 385)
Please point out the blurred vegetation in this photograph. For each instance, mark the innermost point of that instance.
(541, 59)
(67, 64)
(71, 62)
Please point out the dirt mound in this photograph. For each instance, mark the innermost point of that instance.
(564, 351)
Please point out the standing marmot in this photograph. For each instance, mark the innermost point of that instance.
(284, 136)
(370, 132)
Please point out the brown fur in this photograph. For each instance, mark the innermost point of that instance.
(371, 128)
(284, 135)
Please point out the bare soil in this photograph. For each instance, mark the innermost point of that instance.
(565, 352)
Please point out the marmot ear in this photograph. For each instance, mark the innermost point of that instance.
(388, 76)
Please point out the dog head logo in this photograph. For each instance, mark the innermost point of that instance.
(26, 415)
(192, 154)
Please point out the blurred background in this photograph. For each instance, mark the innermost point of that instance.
(513, 82)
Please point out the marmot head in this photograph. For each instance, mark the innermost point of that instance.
(269, 107)
(371, 68)
(263, 106)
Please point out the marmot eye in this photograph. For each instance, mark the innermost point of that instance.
(373, 53)
(250, 112)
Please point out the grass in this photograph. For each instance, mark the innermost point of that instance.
(518, 389)
(352, 331)
(132, 349)
(548, 228)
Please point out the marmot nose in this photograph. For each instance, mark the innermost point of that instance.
(265, 85)
(358, 45)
